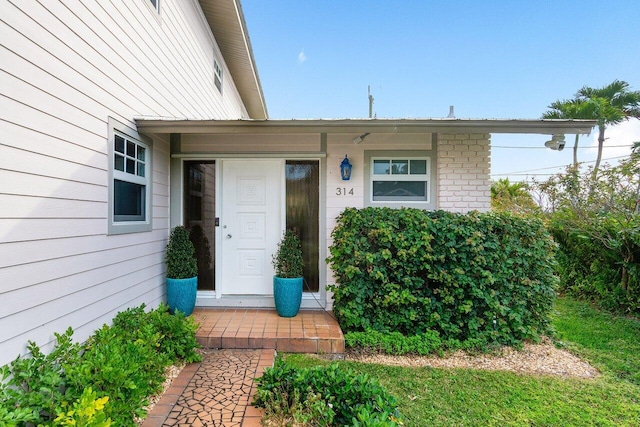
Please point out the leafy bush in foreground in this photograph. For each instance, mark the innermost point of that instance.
(324, 396)
(482, 277)
(105, 380)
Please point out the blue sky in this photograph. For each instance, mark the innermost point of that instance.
(490, 59)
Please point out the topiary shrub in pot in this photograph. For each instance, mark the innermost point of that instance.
(287, 283)
(182, 272)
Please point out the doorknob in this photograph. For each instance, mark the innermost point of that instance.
(229, 236)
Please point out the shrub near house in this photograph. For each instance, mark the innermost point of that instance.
(481, 277)
(102, 382)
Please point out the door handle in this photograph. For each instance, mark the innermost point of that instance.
(229, 236)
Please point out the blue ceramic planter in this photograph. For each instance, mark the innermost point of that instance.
(181, 294)
(287, 294)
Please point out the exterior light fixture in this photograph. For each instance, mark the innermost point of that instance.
(345, 169)
(358, 139)
(556, 142)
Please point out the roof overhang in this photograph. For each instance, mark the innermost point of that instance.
(229, 28)
(356, 126)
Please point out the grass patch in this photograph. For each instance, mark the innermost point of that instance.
(610, 343)
(465, 397)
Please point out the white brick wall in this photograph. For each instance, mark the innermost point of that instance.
(463, 166)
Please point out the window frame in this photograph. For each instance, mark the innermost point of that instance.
(217, 74)
(428, 177)
(155, 6)
(121, 224)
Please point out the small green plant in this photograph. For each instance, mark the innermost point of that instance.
(88, 411)
(345, 395)
(176, 333)
(297, 409)
(287, 260)
(181, 255)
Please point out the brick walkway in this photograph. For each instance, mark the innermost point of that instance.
(216, 392)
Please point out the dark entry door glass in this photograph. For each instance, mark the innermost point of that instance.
(303, 198)
(200, 217)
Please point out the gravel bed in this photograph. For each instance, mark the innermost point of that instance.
(538, 359)
(170, 373)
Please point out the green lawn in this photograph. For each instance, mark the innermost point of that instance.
(462, 397)
(610, 343)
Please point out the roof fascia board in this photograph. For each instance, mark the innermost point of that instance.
(256, 127)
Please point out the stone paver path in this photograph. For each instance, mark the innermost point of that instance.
(216, 392)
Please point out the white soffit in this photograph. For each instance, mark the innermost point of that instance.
(229, 28)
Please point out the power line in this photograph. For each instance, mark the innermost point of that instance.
(545, 148)
(523, 174)
(554, 167)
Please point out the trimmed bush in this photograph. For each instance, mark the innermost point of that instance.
(324, 396)
(481, 277)
(181, 255)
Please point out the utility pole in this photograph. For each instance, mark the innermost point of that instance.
(370, 102)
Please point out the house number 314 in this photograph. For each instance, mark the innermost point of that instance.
(343, 191)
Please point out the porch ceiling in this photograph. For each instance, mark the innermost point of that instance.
(356, 126)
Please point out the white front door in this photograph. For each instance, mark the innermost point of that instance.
(252, 222)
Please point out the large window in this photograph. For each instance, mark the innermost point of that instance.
(130, 182)
(400, 178)
(404, 179)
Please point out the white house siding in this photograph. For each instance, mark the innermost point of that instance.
(463, 172)
(65, 68)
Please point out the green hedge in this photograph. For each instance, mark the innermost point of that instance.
(103, 382)
(486, 277)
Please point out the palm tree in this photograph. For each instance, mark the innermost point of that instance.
(614, 104)
(512, 197)
(608, 105)
(572, 109)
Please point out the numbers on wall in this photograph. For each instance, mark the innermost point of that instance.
(344, 191)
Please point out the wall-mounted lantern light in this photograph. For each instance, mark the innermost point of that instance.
(345, 169)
